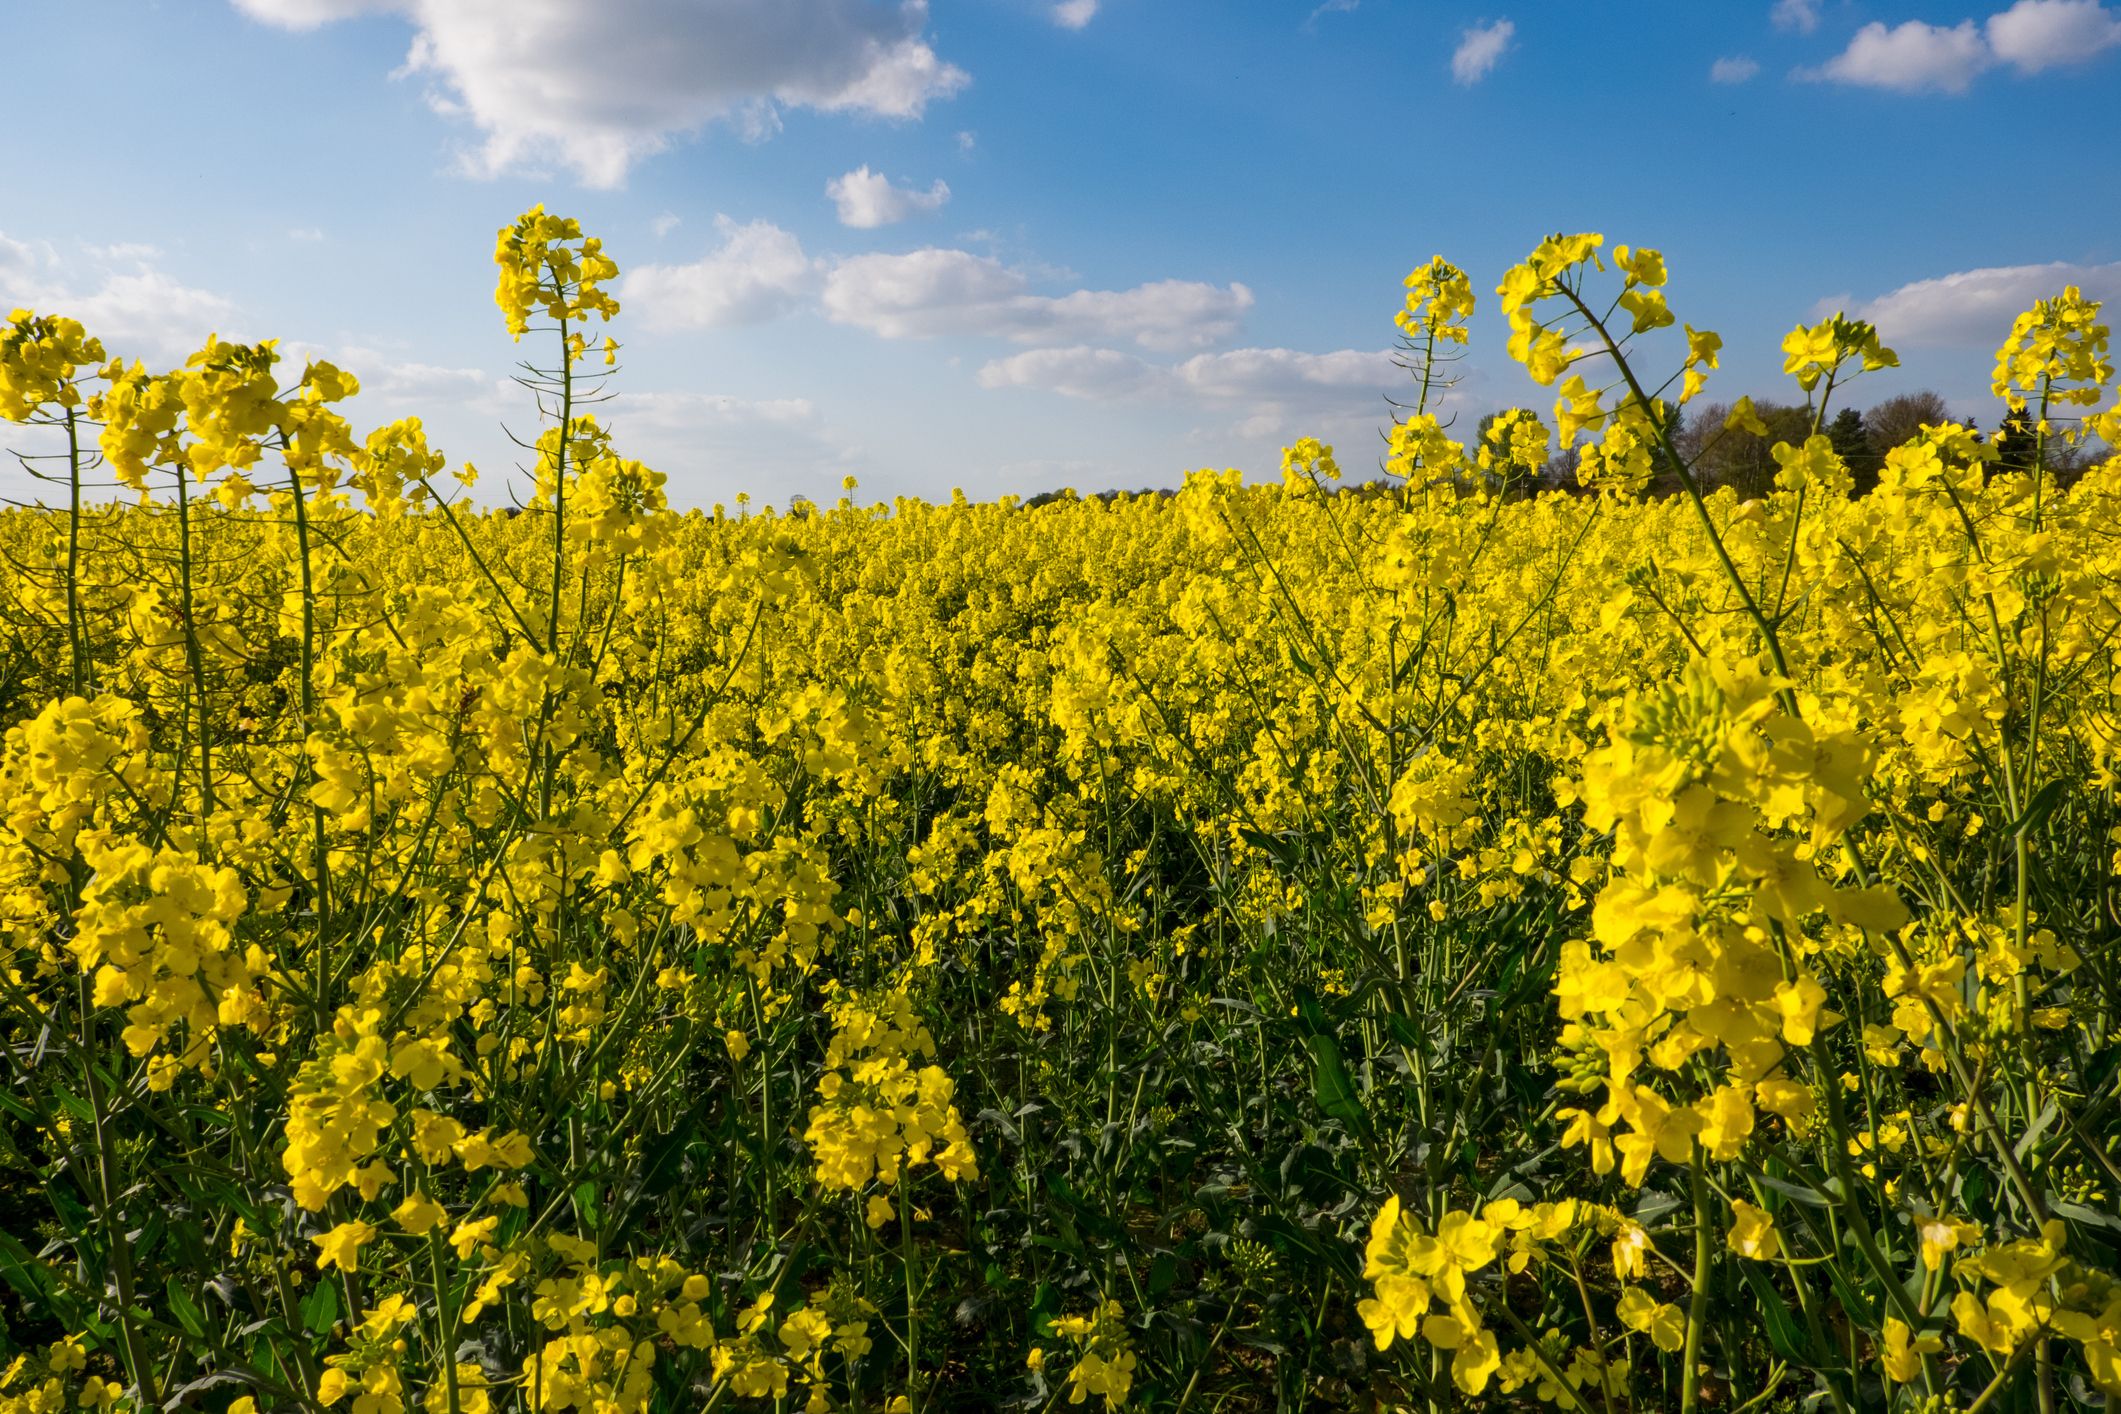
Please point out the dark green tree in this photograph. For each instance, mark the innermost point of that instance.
(1852, 443)
(2017, 444)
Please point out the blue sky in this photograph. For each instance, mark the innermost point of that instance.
(1009, 245)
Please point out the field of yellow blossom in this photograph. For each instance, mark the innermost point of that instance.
(1417, 946)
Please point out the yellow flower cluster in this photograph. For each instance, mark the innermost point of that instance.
(1690, 959)
(548, 266)
(1104, 1354)
(1439, 302)
(880, 1117)
(40, 356)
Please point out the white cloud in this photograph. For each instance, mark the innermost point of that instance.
(1281, 373)
(922, 293)
(713, 446)
(664, 224)
(1913, 57)
(309, 235)
(966, 141)
(933, 292)
(598, 87)
(1479, 50)
(1333, 7)
(1165, 314)
(710, 445)
(18, 258)
(867, 199)
(1096, 375)
(1236, 375)
(2041, 34)
(1276, 391)
(1801, 16)
(135, 308)
(1916, 57)
(1733, 70)
(758, 273)
(309, 14)
(1074, 14)
(683, 410)
(393, 387)
(147, 308)
(1974, 308)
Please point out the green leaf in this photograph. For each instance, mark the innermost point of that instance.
(1045, 1306)
(1796, 1192)
(185, 1309)
(1858, 1304)
(1282, 849)
(1334, 1086)
(25, 1273)
(320, 1308)
(2038, 808)
(1783, 1332)
(664, 1163)
(2089, 1217)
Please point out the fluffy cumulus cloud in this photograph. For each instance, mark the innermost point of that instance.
(758, 273)
(17, 258)
(933, 292)
(1074, 14)
(1098, 375)
(598, 87)
(1917, 57)
(1911, 57)
(151, 309)
(1271, 374)
(1802, 16)
(309, 14)
(2042, 34)
(1974, 308)
(1274, 392)
(1480, 49)
(1233, 376)
(457, 398)
(409, 388)
(119, 292)
(1736, 69)
(867, 199)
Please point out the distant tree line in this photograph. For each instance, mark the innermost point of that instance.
(1744, 460)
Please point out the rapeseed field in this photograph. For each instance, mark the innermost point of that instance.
(1440, 943)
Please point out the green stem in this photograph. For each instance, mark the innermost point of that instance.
(118, 1246)
(194, 658)
(1697, 1315)
(75, 631)
(319, 849)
